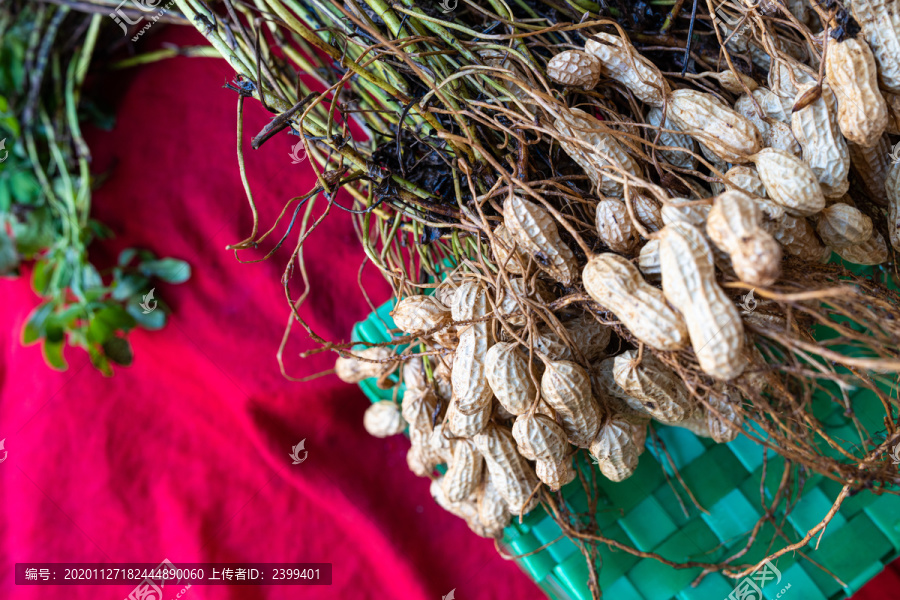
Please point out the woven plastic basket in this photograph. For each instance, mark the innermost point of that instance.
(726, 479)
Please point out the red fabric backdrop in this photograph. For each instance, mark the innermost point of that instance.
(185, 454)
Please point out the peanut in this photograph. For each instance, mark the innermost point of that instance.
(693, 213)
(789, 182)
(598, 152)
(614, 450)
(614, 226)
(617, 285)
(554, 474)
(418, 409)
(871, 164)
(469, 302)
(512, 476)
(732, 81)
(851, 71)
(588, 336)
(535, 231)
(621, 62)
(464, 473)
(492, 512)
(413, 375)
(880, 23)
(648, 212)
(383, 419)
(824, 149)
(657, 388)
(575, 68)
(420, 457)
(415, 314)
(443, 386)
(540, 438)
(681, 145)
(841, 225)
(507, 253)
(871, 252)
(689, 283)
(648, 260)
(726, 425)
(735, 226)
(353, 370)
(566, 387)
(471, 391)
(506, 369)
(892, 187)
(466, 426)
(893, 103)
(551, 344)
(708, 120)
(746, 179)
(508, 306)
(788, 78)
(441, 444)
(798, 238)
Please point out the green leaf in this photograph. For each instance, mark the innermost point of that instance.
(107, 321)
(9, 258)
(126, 255)
(91, 279)
(35, 232)
(40, 277)
(25, 187)
(129, 285)
(53, 354)
(155, 319)
(170, 270)
(99, 360)
(34, 328)
(118, 350)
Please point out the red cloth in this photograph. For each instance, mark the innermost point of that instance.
(185, 454)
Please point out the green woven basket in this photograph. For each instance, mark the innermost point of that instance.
(726, 480)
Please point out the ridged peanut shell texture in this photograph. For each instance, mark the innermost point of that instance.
(506, 370)
(790, 182)
(510, 473)
(575, 68)
(689, 283)
(595, 150)
(862, 111)
(735, 226)
(704, 117)
(620, 61)
(540, 438)
(618, 286)
(464, 473)
(535, 231)
(880, 23)
(554, 474)
(415, 314)
(660, 392)
(353, 370)
(615, 451)
(842, 225)
(383, 419)
(892, 187)
(824, 147)
(566, 387)
(614, 226)
(681, 143)
(471, 391)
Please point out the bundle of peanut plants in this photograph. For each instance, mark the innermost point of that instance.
(595, 218)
